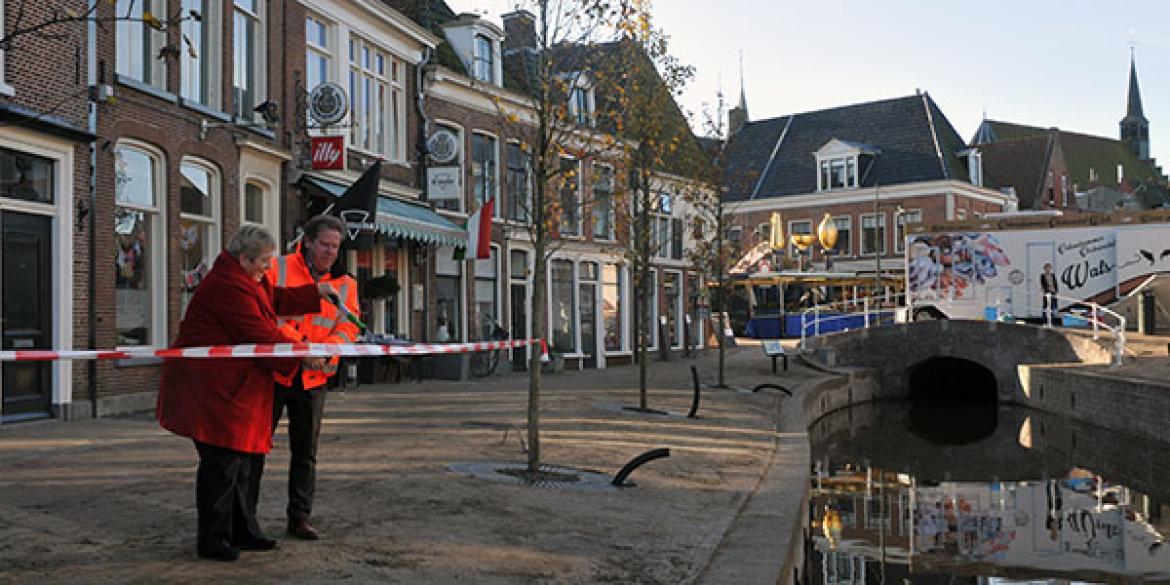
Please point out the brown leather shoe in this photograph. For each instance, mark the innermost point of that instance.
(302, 530)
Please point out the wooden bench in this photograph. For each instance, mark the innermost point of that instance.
(774, 349)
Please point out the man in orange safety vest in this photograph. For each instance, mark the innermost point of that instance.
(303, 393)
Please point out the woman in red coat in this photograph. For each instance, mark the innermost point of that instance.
(225, 405)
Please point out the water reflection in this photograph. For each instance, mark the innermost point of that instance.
(1037, 499)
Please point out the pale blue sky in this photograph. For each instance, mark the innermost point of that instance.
(1061, 63)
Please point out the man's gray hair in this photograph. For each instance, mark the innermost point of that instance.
(251, 242)
(320, 223)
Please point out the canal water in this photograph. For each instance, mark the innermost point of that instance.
(983, 494)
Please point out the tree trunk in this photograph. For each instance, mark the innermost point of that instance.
(540, 330)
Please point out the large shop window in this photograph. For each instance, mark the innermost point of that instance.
(564, 307)
(519, 185)
(200, 61)
(484, 169)
(672, 288)
(611, 307)
(375, 99)
(249, 58)
(570, 199)
(198, 225)
(487, 297)
(448, 295)
(25, 176)
(390, 272)
(139, 241)
(603, 202)
(138, 44)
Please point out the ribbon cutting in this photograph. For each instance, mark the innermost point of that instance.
(275, 350)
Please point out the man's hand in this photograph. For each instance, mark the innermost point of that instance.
(314, 363)
(326, 291)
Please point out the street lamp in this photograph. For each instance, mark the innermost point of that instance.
(827, 234)
(881, 244)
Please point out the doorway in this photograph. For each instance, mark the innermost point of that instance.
(588, 303)
(25, 313)
(518, 305)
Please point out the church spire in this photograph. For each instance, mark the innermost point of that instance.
(1135, 128)
(738, 116)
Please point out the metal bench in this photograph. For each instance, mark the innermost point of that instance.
(774, 349)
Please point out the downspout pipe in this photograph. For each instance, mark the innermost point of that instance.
(421, 150)
(92, 77)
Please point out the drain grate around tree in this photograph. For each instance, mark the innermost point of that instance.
(635, 411)
(550, 476)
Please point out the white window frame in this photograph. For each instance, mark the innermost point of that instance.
(881, 227)
(575, 316)
(852, 235)
(652, 343)
(792, 249)
(900, 228)
(499, 300)
(676, 333)
(526, 281)
(212, 221)
(849, 163)
(479, 60)
(158, 252)
(611, 234)
(764, 231)
(131, 56)
(209, 49)
(623, 307)
(495, 190)
(265, 187)
(324, 51)
(391, 117)
(526, 206)
(734, 234)
(258, 59)
(5, 88)
(447, 251)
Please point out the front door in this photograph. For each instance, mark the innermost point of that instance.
(588, 294)
(25, 313)
(519, 324)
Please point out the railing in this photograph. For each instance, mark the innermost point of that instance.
(872, 309)
(1096, 318)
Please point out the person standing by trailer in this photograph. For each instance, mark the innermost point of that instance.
(1049, 289)
(303, 392)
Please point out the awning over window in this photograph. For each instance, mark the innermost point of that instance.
(401, 218)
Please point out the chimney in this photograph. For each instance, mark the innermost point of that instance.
(519, 31)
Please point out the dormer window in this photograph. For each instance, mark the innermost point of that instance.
(974, 165)
(581, 105)
(839, 163)
(483, 65)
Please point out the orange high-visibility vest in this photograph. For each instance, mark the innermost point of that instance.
(328, 326)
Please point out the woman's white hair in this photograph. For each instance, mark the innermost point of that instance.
(251, 242)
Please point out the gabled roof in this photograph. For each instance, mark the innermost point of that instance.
(1020, 163)
(1083, 152)
(916, 141)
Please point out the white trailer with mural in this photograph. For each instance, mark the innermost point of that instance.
(991, 269)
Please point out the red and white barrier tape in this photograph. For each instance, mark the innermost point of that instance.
(274, 350)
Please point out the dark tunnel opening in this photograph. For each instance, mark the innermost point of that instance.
(952, 401)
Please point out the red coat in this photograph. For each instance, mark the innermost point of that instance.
(228, 402)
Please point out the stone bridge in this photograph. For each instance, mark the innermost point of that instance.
(925, 358)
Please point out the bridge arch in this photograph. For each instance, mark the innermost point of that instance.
(895, 353)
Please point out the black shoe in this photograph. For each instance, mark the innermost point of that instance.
(257, 544)
(224, 553)
(302, 530)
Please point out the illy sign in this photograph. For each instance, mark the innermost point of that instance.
(328, 152)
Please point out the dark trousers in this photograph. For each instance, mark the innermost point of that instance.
(305, 410)
(1049, 303)
(226, 491)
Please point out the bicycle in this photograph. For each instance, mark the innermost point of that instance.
(483, 363)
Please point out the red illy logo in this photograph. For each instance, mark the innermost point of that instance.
(328, 152)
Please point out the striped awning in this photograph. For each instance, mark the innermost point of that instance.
(402, 218)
